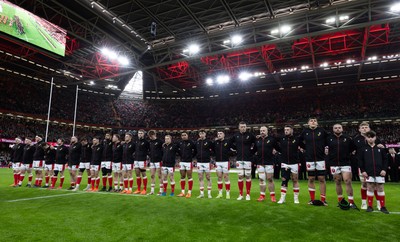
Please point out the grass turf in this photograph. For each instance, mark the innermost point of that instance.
(60, 215)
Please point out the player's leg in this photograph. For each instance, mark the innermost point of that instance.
(144, 177)
(62, 178)
(182, 172)
(172, 183)
(109, 176)
(270, 179)
(152, 177)
(219, 181)
(381, 194)
(321, 174)
(311, 180)
(240, 167)
(189, 174)
(370, 194)
(164, 180)
(103, 176)
(338, 185)
(115, 177)
(22, 173)
(138, 179)
(72, 173)
(46, 176)
(93, 179)
(209, 184)
(296, 186)
(347, 178)
(262, 177)
(201, 182)
(30, 176)
(227, 181)
(158, 172)
(247, 174)
(89, 177)
(363, 191)
(285, 176)
(124, 174)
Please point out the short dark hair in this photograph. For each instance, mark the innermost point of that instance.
(288, 126)
(129, 133)
(118, 136)
(202, 131)
(312, 118)
(84, 139)
(370, 134)
(152, 132)
(242, 122)
(40, 135)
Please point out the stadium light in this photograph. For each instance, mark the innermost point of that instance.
(244, 76)
(112, 55)
(330, 20)
(343, 18)
(105, 51)
(275, 31)
(372, 58)
(304, 67)
(91, 83)
(222, 79)
(349, 61)
(325, 64)
(209, 81)
(395, 8)
(285, 29)
(123, 60)
(236, 39)
(193, 49)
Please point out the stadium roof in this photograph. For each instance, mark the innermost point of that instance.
(280, 44)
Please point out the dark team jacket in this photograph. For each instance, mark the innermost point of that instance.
(372, 160)
(97, 154)
(50, 156)
(244, 145)
(117, 152)
(289, 148)
(86, 153)
(39, 151)
(156, 151)
(107, 150)
(61, 154)
(204, 148)
(127, 152)
(340, 149)
(27, 156)
(187, 150)
(74, 153)
(18, 153)
(264, 148)
(393, 162)
(361, 142)
(222, 149)
(314, 142)
(142, 147)
(169, 154)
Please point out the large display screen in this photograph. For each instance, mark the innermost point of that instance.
(28, 27)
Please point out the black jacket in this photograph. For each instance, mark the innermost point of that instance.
(117, 152)
(107, 150)
(50, 156)
(393, 162)
(372, 160)
(289, 146)
(222, 149)
(127, 152)
(204, 150)
(187, 150)
(61, 154)
(156, 151)
(97, 154)
(340, 149)
(27, 156)
(314, 142)
(244, 144)
(74, 154)
(169, 154)
(18, 152)
(264, 148)
(142, 147)
(39, 151)
(86, 153)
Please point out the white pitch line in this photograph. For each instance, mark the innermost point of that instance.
(42, 197)
(389, 212)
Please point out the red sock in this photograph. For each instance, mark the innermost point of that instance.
(248, 187)
(89, 180)
(61, 181)
(228, 186)
(183, 183)
(363, 193)
(323, 197)
(145, 183)
(340, 198)
(190, 184)
(165, 184)
(40, 182)
(130, 183)
(382, 199)
(110, 181)
(53, 181)
(138, 182)
(172, 187)
(312, 193)
(21, 178)
(104, 181)
(92, 182)
(47, 179)
(78, 180)
(126, 183)
(220, 185)
(240, 184)
(72, 184)
(30, 178)
(36, 182)
(370, 200)
(272, 195)
(15, 178)
(97, 182)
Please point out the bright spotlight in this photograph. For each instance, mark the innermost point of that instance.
(330, 20)
(91, 83)
(223, 79)
(194, 49)
(349, 61)
(372, 58)
(209, 81)
(325, 64)
(395, 7)
(123, 60)
(285, 29)
(343, 18)
(275, 31)
(112, 55)
(244, 76)
(236, 39)
(105, 51)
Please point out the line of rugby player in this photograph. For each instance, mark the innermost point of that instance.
(117, 159)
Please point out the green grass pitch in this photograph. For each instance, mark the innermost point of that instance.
(32, 33)
(59, 215)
